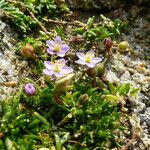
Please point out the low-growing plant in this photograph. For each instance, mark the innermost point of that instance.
(26, 14)
(82, 117)
(99, 31)
(18, 17)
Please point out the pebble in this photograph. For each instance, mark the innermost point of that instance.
(10, 84)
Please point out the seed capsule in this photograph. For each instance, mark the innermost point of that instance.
(107, 43)
(38, 47)
(123, 46)
(28, 51)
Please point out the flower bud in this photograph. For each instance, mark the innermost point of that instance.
(38, 47)
(107, 43)
(1, 135)
(91, 72)
(123, 46)
(100, 68)
(65, 83)
(29, 89)
(64, 8)
(28, 51)
(83, 98)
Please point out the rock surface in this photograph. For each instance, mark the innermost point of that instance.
(10, 67)
(102, 4)
(134, 68)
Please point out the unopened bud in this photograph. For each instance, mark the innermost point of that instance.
(100, 68)
(28, 51)
(64, 8)
(64, 84)
(91, 72)
(108, 43)
(29, 89)
(83, 98)
(123, 46)
(38, 47)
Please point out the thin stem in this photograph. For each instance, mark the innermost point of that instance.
(75, 23)
(39, 23)
(76, 142)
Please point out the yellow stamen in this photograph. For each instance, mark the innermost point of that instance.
(88, 59)
(57, 48)
(56, 68)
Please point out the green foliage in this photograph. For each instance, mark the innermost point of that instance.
(20, 126)
(43, 99)
(84, 118)
(123, 89)
(42, 6)
(18, 17)
(99, 31)
(92, 120)
(25, 14)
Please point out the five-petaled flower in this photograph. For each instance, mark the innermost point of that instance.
(57, 69)
(29, 89)
(57, 47)
(88, 59)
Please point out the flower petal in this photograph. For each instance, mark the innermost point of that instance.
(62, 61)
(81, 55)
(50, 43)
(96, 60)
(48, 72)
(58, 74)
(91, 65)
(48, 65)
(90, 53)
(58, 39)
(50, 51)
(66, 70)
(61, 54)
(82, 62)
(65, 47)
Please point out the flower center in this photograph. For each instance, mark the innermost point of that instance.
(57, 48)
(56, 68)
(88, 59)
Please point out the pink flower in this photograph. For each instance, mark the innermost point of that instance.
(88, 59)
(57, 69)
(29, 89)
(57, 47)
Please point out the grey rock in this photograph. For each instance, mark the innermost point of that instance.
(90, 4)
(102, 4)
(4, 65)
(2, 26)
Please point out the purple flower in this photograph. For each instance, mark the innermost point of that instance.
(57, 69)
(88, 59)
(57, 46)
(29, 89)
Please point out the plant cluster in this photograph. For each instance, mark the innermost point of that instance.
(69, 106)
(25, 14)
(99, 31)
(85, 117)
(67, 111)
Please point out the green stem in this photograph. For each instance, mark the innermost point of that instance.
(41, 118)
(68, 117)
(32, 136)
